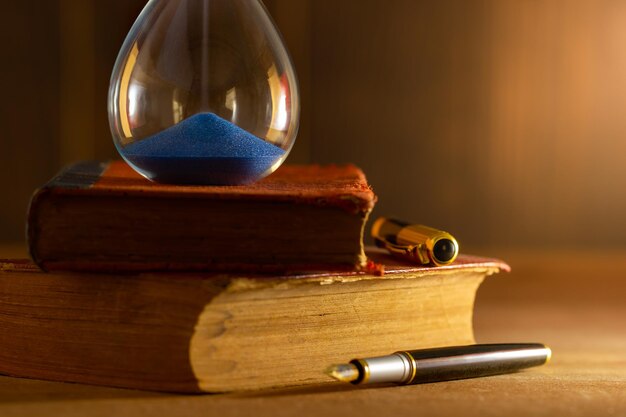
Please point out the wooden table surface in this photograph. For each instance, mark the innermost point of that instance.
(573, 301)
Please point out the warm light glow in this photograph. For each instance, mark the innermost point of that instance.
(177, 111)
(125, 112)
(134, 93)
(231, 102)
(280, 112)
(282, 118)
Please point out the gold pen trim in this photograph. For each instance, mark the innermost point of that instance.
(413, 366)
(548, 356)
(412, 241)
(365, 377)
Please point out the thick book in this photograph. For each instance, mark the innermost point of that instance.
(107, 217)
(203, 332)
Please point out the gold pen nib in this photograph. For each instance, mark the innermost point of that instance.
(345, 372)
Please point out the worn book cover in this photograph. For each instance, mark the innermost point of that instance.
(106, 217)
(203, 332)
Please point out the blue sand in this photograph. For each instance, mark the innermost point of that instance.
(203, 149)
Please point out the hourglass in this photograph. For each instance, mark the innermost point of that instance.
(204, 92)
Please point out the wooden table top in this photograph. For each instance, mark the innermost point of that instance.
(573, 301)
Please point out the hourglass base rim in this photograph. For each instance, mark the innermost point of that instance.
(203, 171)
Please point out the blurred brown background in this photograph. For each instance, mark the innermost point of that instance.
(502, 121)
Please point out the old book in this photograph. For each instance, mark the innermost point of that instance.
(197, 332)
(106, 217)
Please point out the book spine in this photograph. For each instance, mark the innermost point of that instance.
(81, 175)
(78, 176)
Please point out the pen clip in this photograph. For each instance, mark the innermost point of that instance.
(412, 252)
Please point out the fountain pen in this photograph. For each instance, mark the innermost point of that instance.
(442, 364)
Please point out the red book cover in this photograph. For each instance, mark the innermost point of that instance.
(105, 216)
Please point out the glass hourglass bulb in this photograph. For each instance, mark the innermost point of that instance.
(204, 92)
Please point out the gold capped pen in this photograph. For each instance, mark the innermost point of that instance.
(442, 364)
(415, 242)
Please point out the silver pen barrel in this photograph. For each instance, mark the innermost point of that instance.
(457, 362)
